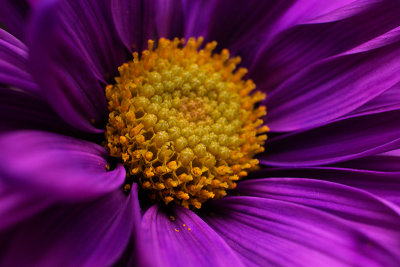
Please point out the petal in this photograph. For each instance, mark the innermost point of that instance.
(273, 232)
(197, 16)
(13, 64)
(88, 234)
(169, 18)
(383, 184)
(300, 43)
(185, 240)
(89, 26)
(343, 140)
(385, 162)
(60, 166)
(62, 70)
(232, 27)
(13, 15)
(336, 86)
(389, 100)
(18, 203)
(134, 20)
(20, 110)
(372, 215)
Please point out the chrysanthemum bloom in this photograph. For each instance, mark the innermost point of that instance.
(120, 150)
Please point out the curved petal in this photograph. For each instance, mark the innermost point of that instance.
(62, 71)
(89, 27)
(20, 110)
(266, 231)
(134, 20)
(169, 18)
(383, 184)
(385, 162)
(343, 140)
(371, 215)
(87, 234)
(336, 86)
(389, 100)
(185, 240)
(17, 204)
(307, 41)
(13, 16)
(232, 27)
(13, 64)
(60, 166)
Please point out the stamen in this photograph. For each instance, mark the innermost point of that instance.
(184, 122)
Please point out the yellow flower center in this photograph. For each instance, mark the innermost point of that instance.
(184, 122)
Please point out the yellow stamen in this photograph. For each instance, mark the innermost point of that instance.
(184, 122)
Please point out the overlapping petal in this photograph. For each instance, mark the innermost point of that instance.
(17, 205)
(62, 167)
(20, 110)
(366, 212)
(233, 28)
(13, 64)
(14, 15)
(389, 100)
(336, 86)
(73, 47)
(185, 240)
(384, 162)
(314, 38)
(169, 18)
(89, 234)
(302, 222)
(384, 184)
(134, 20)
(343, 140)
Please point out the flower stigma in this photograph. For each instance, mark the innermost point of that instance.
(184, 122)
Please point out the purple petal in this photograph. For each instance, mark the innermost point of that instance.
(389, 100)
(266, 232)
(336, 86)
(395, 153)
(134, 20)
(13, 15)
(383, 184)
(60, 166)
(18, 203)
(62, 70)
(385, 162)
(88, 26)
(232, 27)
(169, 18)
(20, 110)
(371, 215)
(230, 24)
(343, 140)
(197, 16)
(88, 234)
(13, 64)
(186, 240)
(308, 41)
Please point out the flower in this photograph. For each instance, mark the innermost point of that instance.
(327, 192)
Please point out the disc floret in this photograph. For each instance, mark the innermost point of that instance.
(184, 122)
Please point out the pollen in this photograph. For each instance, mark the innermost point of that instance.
(184, 121)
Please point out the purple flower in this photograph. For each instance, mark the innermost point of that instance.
(327, 193)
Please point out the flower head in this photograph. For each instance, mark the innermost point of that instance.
(127, 139)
